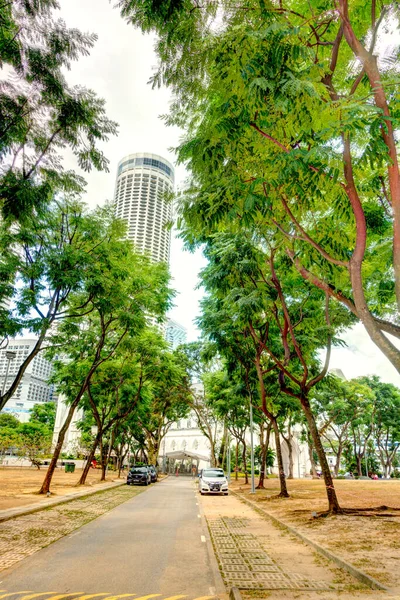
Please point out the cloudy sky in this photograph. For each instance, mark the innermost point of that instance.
(118, 69)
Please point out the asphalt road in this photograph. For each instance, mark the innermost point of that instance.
(153, 545)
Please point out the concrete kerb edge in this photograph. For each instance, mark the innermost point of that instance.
(356, 573)
(220, 589)
(34, 509)
(235, 594)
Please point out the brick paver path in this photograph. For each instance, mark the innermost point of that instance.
(245, 563)
(25, 535)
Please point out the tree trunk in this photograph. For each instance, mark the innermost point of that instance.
(282, 478)
(222, 449)
(288, 441)
(87, 467)
(108, 455)
(338, 459)
(237, 461)
(311, 456)
(264, 443)
(290, 449)
(333, 503)
(103, 455)
(121, 464)
(58, 447)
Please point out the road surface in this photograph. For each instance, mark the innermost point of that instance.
(155, 545)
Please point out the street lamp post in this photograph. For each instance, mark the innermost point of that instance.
(253, 489)
(10, 355)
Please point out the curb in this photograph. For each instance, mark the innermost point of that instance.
(235, 594)
(356, 573)
(33, 508)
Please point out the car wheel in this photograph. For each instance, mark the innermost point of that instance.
(226, 493)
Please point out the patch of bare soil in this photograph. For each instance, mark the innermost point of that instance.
(19, 486)
(370, 539)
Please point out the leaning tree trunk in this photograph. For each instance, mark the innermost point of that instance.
(58, 447)
(333, 503)
(282, 478)
(88, 464)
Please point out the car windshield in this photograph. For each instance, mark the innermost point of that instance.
(139, 470)
(211, 473)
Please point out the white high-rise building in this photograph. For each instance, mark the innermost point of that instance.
(144, 182)
(34, 387)
(175, 334)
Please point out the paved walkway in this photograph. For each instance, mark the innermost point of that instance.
(151, 546)
(254, 554)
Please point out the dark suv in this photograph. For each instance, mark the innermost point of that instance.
(139, 476)
(153, 473)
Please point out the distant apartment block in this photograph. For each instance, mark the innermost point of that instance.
(34, 387)
(175, 334)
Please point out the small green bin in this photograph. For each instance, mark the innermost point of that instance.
(69, 467)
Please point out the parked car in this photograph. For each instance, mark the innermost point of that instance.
(153, 473)
(139, 476)
(213, 481)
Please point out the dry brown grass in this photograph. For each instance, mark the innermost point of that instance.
(369, 542)
(19, 486)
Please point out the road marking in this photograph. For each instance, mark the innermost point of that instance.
(31, 596)
(204, 598)
(12, 594)
(174, 597)
(92, 596)
(61, 596)
(147, 597)
(203, 539)
(112, 597)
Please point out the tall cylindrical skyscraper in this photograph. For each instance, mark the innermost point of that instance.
(143, 180)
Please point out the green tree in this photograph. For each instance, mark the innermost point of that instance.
(386, 420)
(342, 405)
(34, 442)
(8, 420)
(40, 114)
(286, 321)
(126, 290)
(46, 260)
(201, 362)
(45, 414)
(290, 121)
(9, 440)
(170, 400)
(117, 392)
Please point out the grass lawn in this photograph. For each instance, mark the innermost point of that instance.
(19, 486)
(370, 541)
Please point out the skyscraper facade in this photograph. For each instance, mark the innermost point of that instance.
(175, 334)
(143, 184)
